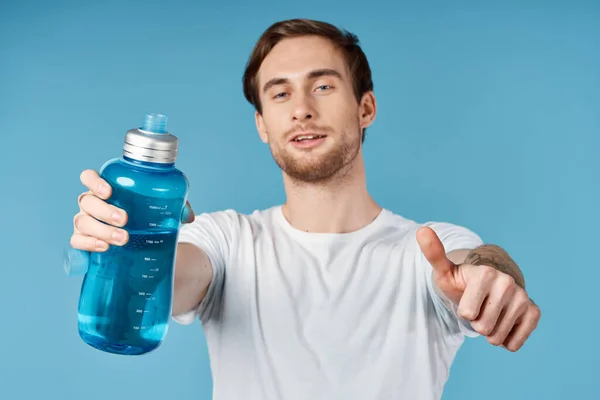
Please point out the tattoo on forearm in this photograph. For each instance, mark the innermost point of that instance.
(495, 256)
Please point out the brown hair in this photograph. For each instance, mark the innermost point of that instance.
(345, 41)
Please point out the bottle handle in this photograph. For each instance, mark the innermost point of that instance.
(76, 262)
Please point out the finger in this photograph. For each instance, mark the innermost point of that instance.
(187, 215)
(88, 243)
(501, 292)
(103, 211)
(95, 183)
(89, 226)
(513, 311)
(477, 290)
(522, 329)
(433, 250)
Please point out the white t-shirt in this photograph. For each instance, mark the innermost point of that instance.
(293, 315)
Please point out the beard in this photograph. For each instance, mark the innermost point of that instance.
(310, 168)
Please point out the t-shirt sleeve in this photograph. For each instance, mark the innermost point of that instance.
(453, 237)
(213, 233)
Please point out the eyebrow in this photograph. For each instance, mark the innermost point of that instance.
(317, 73)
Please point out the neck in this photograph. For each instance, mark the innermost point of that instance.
(340, 205)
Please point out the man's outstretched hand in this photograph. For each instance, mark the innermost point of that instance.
(496, 306)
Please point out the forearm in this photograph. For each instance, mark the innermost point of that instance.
(193, 273)
(496, 257)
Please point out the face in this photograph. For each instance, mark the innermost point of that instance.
(310, 116)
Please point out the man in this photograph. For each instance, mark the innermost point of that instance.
(328, 296)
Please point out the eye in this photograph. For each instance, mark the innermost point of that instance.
(323, 87)
(280, 95)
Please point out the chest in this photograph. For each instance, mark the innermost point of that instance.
(330, 293)
(331, 313)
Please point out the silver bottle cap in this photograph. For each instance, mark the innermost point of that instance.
(151, 142)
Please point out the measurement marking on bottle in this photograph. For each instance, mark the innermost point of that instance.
(148, 241)
(149, 259)
(137, 327)
(155, 207)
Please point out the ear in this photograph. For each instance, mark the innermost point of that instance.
(261, 128)
(368, 110)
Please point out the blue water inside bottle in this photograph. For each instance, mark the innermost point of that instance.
(126, 295)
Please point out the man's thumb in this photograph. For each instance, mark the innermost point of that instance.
(187, 215)
(433, 250)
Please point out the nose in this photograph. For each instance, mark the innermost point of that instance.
(303, 109)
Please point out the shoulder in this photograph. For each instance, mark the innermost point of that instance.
(221, 232)
(232, 220)
(453, 235)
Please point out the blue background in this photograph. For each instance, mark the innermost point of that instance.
(488, 117)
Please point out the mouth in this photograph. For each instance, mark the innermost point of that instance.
(307, 141)
(307, 137)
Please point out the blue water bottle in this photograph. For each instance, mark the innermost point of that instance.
(126, 295)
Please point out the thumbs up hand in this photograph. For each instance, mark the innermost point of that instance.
(491, 300)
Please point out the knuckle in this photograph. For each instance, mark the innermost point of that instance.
(84, 223)
(467, 313)
(73, 242)
(86, 177)
(513, 347)
(521, 298)
(481, 327)
(86, 200)
(83, 200)
(77, 221)
(536, 314)
(495, 340)
(486, 329)
(507, 282)
(96, 207)
(80, 242)
(487, 273)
